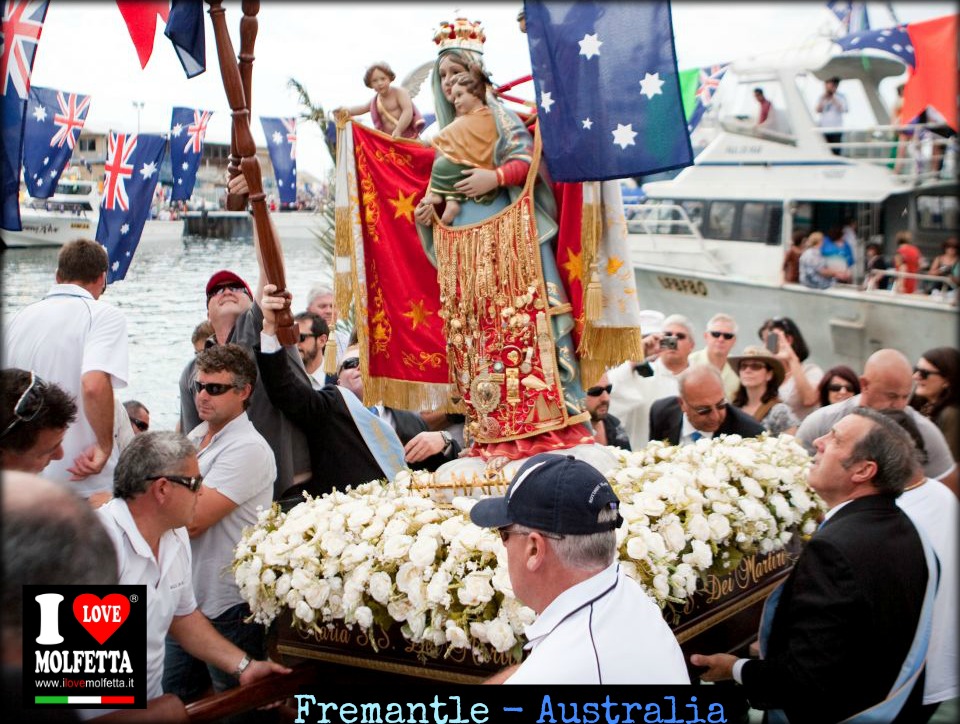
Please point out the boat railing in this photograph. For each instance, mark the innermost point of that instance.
(656, 218)
(936, 288)
(748, 128)
(899, 148)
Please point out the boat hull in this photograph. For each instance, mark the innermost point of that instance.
(49, 230)
(840, 326)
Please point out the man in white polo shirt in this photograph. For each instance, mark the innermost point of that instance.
(155, 487)
(594, 625)
(238, 471)
(78, 342)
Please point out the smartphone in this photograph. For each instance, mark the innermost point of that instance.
(773, 343)
(668, 342)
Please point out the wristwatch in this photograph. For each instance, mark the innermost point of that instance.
(242, 666)
(447, 441)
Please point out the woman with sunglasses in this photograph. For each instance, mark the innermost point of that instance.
(838, 384)
(936, 392)
(760, 376)
(801, 377)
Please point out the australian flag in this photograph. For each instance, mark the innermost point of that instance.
(895, 41)
(187, 129)
(130, 177)
(608, 89)
(185, 30)
(54, 121)
(281, 136)
(707, 85)
(19, 38)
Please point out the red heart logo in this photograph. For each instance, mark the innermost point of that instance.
(101, 617)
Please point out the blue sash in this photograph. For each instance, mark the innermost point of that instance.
(888, 709)
(381, 439)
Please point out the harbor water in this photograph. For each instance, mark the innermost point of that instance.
(163, 298)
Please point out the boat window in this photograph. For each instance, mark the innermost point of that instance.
(752, 226)
(720, 219)
(694, 211)
(746, 109)
(859, 113)
(938, 212)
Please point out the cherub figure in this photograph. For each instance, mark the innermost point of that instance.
(391, 110)
(467, 142)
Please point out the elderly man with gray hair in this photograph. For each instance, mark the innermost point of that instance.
(594, 625)
(637, 386)
(156, 485)
(321, 302)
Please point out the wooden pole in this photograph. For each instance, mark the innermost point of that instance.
(271, 254)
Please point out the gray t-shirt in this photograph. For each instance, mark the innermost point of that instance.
(819, 422)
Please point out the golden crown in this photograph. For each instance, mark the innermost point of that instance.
(462, 34)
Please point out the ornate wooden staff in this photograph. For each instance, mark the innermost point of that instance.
(237, 87)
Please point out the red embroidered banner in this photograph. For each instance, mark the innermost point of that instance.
(404, 331)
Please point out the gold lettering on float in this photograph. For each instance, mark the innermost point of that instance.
(338, 634)
(749, 573)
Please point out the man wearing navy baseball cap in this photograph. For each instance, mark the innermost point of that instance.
(594, 625)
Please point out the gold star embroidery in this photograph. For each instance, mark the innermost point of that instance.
(417, 314)
(403, 205)
(613, 265)
(574, 266)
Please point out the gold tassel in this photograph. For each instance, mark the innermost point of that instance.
(330, 354)
(593, 296)
(608, 347)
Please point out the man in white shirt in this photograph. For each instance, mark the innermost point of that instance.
(156, 487)
(594, 625)
(78, 342)
(313, 338)
(238, 469)
(637, 386)
(831, 106)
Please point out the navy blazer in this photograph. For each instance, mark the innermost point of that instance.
(666, 421)
(846, 618)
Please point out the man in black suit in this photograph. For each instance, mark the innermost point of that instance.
(700, 410)
(340, 454)
(849, 611)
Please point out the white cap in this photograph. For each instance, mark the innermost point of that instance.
(651, 321)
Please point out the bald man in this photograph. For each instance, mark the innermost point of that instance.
(886, 383)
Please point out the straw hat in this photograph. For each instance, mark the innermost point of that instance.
(762, 354)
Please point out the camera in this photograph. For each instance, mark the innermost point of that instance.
(773, 343)
(668, 342)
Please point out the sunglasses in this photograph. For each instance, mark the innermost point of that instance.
(139, 424)
(350, 364)
(508, 531)
(726, 335)
(753, 366)
(216, 291)
(191, 484)
(305, 337)
(840, 388)
(598, 390)
(29, 405)
(214, 389)
(924, 374)
(719, 407)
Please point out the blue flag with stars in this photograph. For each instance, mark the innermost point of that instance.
(54, 121)
(281, 136)
(129, 178)
(895, 41)
(608, 89)
(188, 126)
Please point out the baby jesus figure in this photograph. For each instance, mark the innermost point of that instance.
(467, 142)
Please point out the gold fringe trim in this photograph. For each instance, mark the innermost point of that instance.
(605, 347)
(591, 230)
(414, 396)
(343, 248)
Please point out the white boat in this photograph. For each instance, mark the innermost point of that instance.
(71, 213)
(713, 238)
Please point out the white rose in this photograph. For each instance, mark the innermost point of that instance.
(364, 616)
(396, 547)
(300, 580)
(450, 528)
(437, 592)
(752, 487)
(655, 543)
(674, 536)
(650, 505)
(469, 536)
(399, 609)
(476, 589)
(332, 543)
(268, 576)
(374, 529)
(316, 595)
(478, 630)
(719, 526)
(380, 585)
(456, 636)
(417, 624)
(660, 585)
(408, 577)
(304, 612)
(637, 548)
(423, 551)
(699, 527)
(701, 557)
(500, 634)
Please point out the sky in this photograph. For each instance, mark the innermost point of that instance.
(85, 48)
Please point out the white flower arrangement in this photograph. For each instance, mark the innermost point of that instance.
(379, 554)
(386, 553)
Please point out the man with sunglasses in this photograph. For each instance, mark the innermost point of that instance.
(314, 333)
(139, 416)
(886, 383)
(637, 387)
(699, 411)
(720, 336)
(594, 625)
(156, 489)
(73, 339)
(238, 470)
(237, 319)
(34, 418)
(607, 429)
